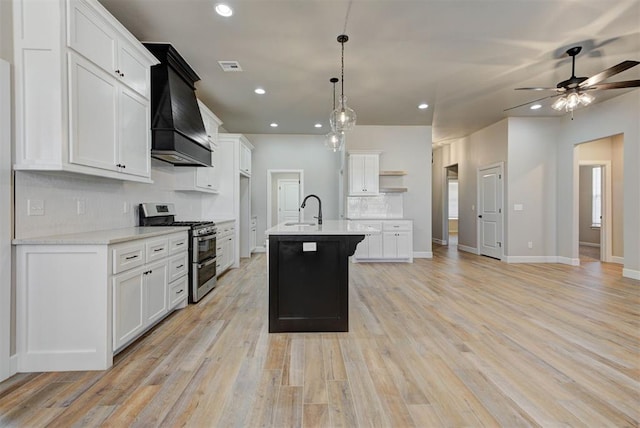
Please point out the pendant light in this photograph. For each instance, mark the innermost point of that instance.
(342, 118)
(334, 140)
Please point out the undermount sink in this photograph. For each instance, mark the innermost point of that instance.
(301, 223)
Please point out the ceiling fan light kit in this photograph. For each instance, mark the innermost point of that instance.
(573, 91)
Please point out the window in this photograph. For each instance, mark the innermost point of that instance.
(596, 196)
(453, 198)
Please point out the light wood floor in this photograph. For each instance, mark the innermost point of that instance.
(459, 340)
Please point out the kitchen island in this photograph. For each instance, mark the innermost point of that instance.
(308, 275)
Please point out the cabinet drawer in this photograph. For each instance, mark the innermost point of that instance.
(178, 243)
(128, 257)
(178, 266)
(178, 291)
(157, 249)
(396, 225)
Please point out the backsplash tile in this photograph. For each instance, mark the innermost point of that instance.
(103, 199)
(384, 206)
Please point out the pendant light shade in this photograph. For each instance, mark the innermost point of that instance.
(342, 118)
(334, 140)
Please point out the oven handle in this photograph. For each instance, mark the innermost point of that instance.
(206, 237)
(207, 263)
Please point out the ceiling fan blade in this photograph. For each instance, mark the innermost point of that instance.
(616, 85)
(597, 78)
(531, 102)
(536, 89)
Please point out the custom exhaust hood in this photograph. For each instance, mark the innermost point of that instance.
(178, 134)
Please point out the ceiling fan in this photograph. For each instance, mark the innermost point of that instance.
(575, 90)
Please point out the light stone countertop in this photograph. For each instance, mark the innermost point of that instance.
(101, 237)
(223, 219)
(328, 227)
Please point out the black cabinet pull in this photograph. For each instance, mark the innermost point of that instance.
(131, 257)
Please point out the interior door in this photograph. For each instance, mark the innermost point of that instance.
(490, 211)
(288, 200)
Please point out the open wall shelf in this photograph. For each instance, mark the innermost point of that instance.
(392, 173)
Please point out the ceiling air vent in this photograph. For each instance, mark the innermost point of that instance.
(230, 65)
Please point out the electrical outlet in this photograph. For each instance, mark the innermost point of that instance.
(81, 207)
(35, 207)
(530, 244)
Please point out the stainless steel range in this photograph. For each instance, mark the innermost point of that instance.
(202, 245)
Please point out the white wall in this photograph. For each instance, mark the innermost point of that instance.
(405, 148)
(482, 148)
(531, 181)
(615, 116)
(305, 152)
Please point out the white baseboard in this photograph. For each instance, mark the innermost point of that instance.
(260, 250)
(422, 255)
(439, 241)
(468, 249)
(530, 259)
(631, 273)
(13, 364)
(618, 260)
(567, 261)
(589, 244)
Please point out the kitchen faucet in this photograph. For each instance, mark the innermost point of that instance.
(304, 202)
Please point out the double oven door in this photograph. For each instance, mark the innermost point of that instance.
(203, 265)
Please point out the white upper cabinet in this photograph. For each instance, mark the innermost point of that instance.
(211, 122)
(245, 159)
(203, 179)
(82, 106)
(364, 174)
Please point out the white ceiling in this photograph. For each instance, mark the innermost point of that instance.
(463, 57)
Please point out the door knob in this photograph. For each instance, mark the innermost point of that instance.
(480, 216)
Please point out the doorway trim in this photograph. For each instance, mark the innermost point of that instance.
(502, 208)
(270, 173)
(606, 239)
(8, 363)
(445, 203)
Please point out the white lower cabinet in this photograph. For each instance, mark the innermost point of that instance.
(225, 246)
(77, 304)
(393, 243)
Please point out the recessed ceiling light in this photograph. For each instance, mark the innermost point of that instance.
(423, 106)
(535, 106)
(274, 125)
(224, 10)
(318, 125)
(260, 91)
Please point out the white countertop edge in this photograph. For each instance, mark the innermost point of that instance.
(223, 220)
(328, 227)
(101, 237)
(378, 219)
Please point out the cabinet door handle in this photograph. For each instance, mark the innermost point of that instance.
(179, 267)
(179, 291)
(118, 72)
(132, 257)
(158, 249)
(121, 74)
(179, 243)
